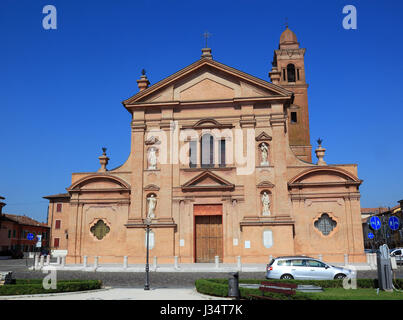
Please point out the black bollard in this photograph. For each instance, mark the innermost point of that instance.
(233, 286)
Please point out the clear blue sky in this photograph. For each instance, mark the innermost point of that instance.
(61, 90)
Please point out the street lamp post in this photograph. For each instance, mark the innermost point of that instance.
(147, 284)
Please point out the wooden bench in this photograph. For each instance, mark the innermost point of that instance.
(276, 287)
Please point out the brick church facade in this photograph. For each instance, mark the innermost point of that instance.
(220, 165)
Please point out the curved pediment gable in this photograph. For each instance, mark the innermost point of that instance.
(99, 182)
(265, 184)
(151, 187)
(207, 123)
(324, 176)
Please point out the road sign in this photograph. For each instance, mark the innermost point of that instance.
(375, 223)
(370, 235)
(39, 242)
(30, 236)
(394, 223)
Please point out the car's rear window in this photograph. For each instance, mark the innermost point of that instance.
(271, 262)
(298, 263)
(284, 262)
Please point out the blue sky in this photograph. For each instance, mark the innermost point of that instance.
(61, 90)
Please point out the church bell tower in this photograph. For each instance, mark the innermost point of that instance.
(288, 71)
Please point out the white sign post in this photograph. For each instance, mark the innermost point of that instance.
(39, 242)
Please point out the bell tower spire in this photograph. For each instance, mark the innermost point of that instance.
(288, 71)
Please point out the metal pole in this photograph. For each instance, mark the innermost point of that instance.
(147, 284)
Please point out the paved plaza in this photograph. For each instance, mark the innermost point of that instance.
(122, 294)
(166, 282)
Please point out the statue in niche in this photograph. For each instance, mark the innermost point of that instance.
(152, 202)
(266, 204)
(265, 154)
(152, 158)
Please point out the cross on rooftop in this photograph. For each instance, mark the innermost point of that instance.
(206, 35)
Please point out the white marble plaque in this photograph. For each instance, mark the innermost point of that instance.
(151, 240)
(235, 241)
(247, 244)
(268, 238)
(182, 242)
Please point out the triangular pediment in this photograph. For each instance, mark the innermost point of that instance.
(207, 181)
(207, 80)
(263, 137)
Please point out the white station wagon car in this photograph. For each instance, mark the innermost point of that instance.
(398, 254)
(304, 268)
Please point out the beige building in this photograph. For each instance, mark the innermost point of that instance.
(220, 165)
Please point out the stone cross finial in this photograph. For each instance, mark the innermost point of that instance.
(206, 35)
(206, 51)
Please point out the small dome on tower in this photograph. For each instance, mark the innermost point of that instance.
(288, 37)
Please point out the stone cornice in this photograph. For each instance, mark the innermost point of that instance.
(152, 225)
(266, 222)
(330, 195)
(177, 104)
(138, 126)
(323, 184)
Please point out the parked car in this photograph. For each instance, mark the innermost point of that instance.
(304, 268)
(398, 254)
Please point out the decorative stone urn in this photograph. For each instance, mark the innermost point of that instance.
(320, 153)
(103, 160)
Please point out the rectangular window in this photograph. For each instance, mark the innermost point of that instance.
(57, 224)
(207, 151)
(221, 152)
(14, 233)
(293, 117)
(9, 234)
(56, 242)
(284, 75)
(59, 207)
(297, 74)
(192, 154)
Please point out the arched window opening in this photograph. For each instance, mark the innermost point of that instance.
(291, 72)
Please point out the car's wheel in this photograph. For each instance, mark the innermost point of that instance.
(339, 276)
(287, 276)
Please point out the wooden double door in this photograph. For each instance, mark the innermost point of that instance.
(208, 233)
